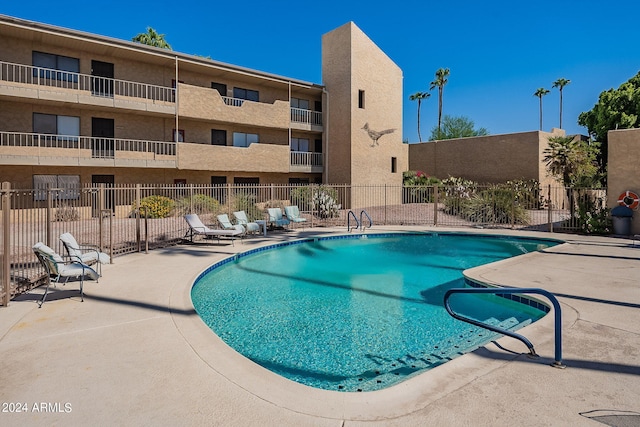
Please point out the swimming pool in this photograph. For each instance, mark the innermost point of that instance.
(352, 314)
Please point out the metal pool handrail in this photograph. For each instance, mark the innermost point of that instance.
(368, 217)
(349, 215)
(556, 309)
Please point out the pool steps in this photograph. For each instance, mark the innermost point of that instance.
(472, 338)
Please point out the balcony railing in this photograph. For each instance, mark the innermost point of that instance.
(101, 148)
(299, 115)
(233, 102)
(97, 86)
(300, 158)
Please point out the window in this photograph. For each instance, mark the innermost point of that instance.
(221, 88)
(317, 106)
(69, 186)
(302, 104)
(249, 95)
(318, 146)
(65, 127)
(360, 98)
(218, 137)
(244, 139)
(68, 67)
(394, 164)
(180, 135)
(299, 144)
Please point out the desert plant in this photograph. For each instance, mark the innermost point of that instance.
(67, 213)
(592, 215)
(247, 202)
(324, 202)
(456, 194)
(495, 205)
(198, 204)
(155, 207)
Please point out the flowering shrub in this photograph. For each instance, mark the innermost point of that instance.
(418, 187)
(155, 207)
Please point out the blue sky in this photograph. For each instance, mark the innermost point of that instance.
(498, 52)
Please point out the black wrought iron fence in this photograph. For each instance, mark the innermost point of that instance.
(132, 218)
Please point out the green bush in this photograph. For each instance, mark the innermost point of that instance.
(155, 207)
(495, 205)
(418, 187)
(592, 215)
(198, 204)
(247, 203)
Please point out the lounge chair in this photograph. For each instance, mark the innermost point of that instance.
(225, 223)
(196, 227)
(276, 219)
(83, 252)
(293, 214)
(241, 217)
(58, 269)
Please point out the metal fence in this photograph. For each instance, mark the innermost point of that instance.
(134, 218)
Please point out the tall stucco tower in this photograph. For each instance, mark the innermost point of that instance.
(364, 106)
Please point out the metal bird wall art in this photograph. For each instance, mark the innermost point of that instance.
(375, 135)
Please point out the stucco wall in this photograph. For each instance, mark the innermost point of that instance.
(353, 63)
(485, 159)
(624, 168)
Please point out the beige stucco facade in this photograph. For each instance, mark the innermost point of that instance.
(486, 159)
(364, 87)
(623, 169)
(149, 94)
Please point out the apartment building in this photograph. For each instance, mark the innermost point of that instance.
(79, 108)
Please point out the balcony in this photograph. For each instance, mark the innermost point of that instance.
(64, 150)
(45, 83)
(306, 162)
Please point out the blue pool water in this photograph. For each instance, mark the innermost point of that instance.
(357, 314)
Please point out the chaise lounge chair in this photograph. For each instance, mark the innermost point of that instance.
(85, 253)
(196, 227)
(293, 214)
(225, 223)
(58, 269)
(276, 219)
(241, 217)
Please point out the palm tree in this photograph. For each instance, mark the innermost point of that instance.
(419, 96)
(152, 38)
(540, 93)
(569, 159)
(439, 82)
(560, 84)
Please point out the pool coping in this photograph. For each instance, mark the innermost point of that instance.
(400, 399)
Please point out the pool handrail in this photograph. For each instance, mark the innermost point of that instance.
(362, 226)
(556, 309)
(349, 215)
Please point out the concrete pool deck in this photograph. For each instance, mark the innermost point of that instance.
(136, 353)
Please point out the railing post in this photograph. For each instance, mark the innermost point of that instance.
(6, 243)
(435, 205)
(550, 209)
(138, 190)
(48, 228)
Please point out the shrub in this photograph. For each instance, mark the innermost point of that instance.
(247, 203)
(198, 204)
(418, 187)
(155, 207)
(67, 213)
(495, 205)
(457, 192)
(325, 205)
(592, 216)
